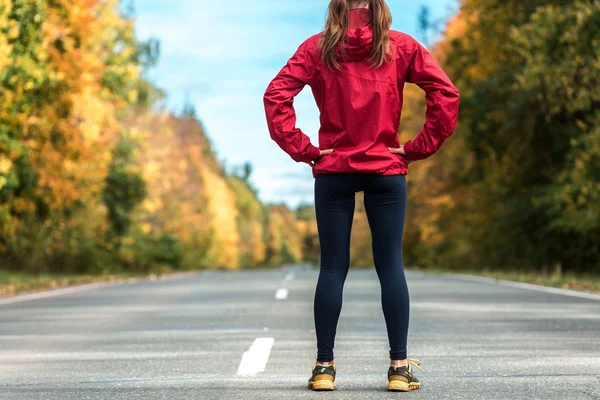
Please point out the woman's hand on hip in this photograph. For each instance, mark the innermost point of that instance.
(323, 153)
(400, 150)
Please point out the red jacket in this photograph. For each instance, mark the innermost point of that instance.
(360, 106)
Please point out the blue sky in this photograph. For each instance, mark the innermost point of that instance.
(223, 54)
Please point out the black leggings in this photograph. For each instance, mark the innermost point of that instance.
(385, 205)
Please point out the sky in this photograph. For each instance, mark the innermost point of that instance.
(221, 55)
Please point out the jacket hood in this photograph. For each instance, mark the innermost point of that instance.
(358, 41)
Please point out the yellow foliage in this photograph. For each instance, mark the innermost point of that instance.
(285, 238)
(146, 228)
(256, 244)
(187, 197)
(5, 47)
(21, 205)
(5, 164)
(82, 112)
(251, 217)
(223, 214)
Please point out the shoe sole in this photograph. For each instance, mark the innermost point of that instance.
(321, 385)
(399, 386)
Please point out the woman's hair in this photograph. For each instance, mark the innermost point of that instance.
(337, 25)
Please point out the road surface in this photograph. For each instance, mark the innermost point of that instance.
(249, 335)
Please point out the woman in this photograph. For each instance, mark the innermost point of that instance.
(357, 68)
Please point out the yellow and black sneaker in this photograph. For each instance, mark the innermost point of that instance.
(401, 379)
(323, 377)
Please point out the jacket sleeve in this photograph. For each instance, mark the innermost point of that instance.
(442, 102)
(279, 106)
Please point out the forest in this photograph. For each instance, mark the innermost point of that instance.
(518, 185)
(95, 179)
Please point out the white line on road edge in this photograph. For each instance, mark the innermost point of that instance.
(255, 359)
(281, 294)
(97, 285)
(56, 292)
(289, 276)
(529, 286)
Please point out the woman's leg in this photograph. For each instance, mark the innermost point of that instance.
(385, 205)
(334, 206)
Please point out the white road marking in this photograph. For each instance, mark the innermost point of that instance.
(281, 294)
(289, 276)
(529, 286)
(255, 359)
(56, 292)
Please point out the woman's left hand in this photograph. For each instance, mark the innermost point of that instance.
(400, 150)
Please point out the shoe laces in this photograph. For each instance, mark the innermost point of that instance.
(413, 362)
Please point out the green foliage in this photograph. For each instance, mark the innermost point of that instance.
(522, 171)
(147, 95)
(124, 189)
(156, 253)
(286, 256)
(148, 53)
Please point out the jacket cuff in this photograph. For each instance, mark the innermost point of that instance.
(408, 149)
(314, 153)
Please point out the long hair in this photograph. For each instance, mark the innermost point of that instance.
(337, 25)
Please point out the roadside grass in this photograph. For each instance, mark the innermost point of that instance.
(582, 282)
(12, 283)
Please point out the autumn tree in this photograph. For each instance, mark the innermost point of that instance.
(520, 174)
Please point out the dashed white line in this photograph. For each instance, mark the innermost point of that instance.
(281, 294)
(255, 359)
(289, 276)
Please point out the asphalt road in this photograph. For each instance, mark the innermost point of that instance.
(191, 337)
